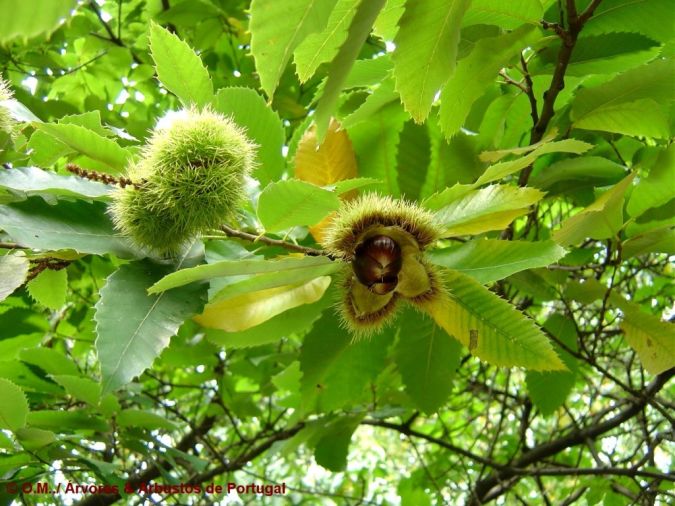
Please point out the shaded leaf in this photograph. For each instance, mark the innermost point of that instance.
(80, 226)
(508, 15)
(144, 420)
(601, 220)
(332, 447)
(594, 169)
(89, 143)
(82, 389)
(658, 188)
(549, 390)
(13, 406)
(133, 327)
(30, 19)
(179, 69)
(427, 358)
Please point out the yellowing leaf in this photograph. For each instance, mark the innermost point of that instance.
(334, 160)
(651, 338)
(490, 327)
(251, 309)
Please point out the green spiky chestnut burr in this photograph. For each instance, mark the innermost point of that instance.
(383, 240)
(190, 178)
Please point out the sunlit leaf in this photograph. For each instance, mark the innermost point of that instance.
(425, 59)
(249, 110)
(35, 181)
(490, 327)
(291, 203)
(277, 29)
(489, 260)
(179, 69)
(476, 72)
(490, 208)
(13, 272)
(30, 19)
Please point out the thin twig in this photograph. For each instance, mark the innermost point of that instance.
(231, 232)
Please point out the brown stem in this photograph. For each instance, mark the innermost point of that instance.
(231, 232)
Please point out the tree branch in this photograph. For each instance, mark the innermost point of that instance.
(500, 481)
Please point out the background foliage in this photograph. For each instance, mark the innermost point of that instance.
(539, 132)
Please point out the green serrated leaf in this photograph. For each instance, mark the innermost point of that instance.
(89, 143)
(649, 17)
(292, 202)
(332, 447)
(133, 327)
(502, 169)
(644, 117)
(49, 288)
(490, 327)
(80, 226)
(318, 48)
(67, 421)
(275, 279)
(30, 19)
(592, 169)
(143, 420)
(427, 358)
(508, 15)
(263, 125)
(82, 389)
(614, 104)
(13, 406)
(489, 260)
(34, 181)
(490, 208)
(277, 29)
(601, 220)
(342, 63)
(425, 58)
(548, 390)
(235, 268)
(478, 71)
(13, 272)
(49, 360)
(658, 188)
(179, 69)
(376, 146)
(34, 439)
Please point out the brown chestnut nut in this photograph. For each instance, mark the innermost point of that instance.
(377, 262)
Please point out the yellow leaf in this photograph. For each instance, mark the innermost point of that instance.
(332, 161)
(248, 310)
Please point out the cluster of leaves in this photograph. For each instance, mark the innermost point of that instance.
(538, 132)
